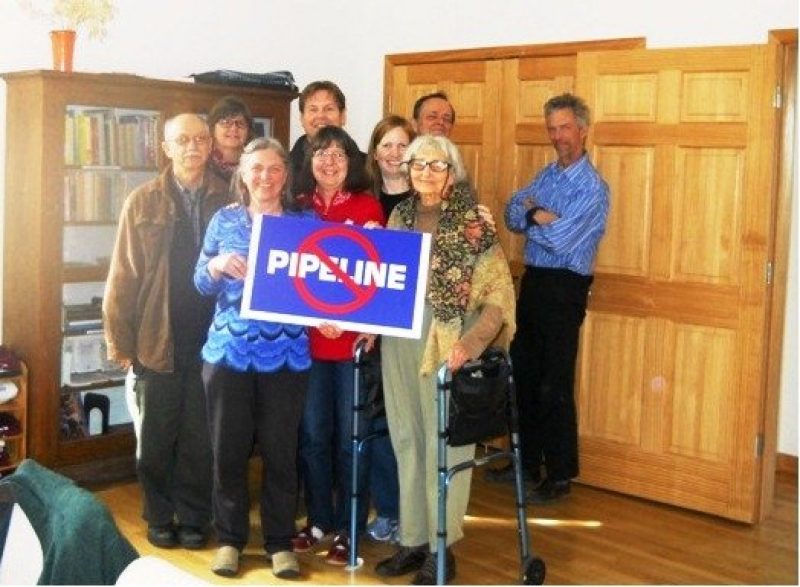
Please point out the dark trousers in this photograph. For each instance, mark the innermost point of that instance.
(267, 407)
(174, 463)
(550, 310)
(382, 466)
(326, 447)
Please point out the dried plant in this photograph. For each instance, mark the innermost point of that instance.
(90, 15)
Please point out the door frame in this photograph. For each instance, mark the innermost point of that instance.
(784, 49)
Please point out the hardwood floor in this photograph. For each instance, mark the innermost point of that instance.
(591, 537)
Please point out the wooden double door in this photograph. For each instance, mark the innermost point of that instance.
(671, 372)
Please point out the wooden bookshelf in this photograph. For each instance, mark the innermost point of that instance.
(82, 142)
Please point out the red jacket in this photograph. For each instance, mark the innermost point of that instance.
(359, 208)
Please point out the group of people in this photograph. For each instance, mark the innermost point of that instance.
(211, 388)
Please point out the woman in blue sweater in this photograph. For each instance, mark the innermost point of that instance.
(255, 372)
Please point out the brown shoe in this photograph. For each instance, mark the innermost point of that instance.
(427, 574)
(406, 560)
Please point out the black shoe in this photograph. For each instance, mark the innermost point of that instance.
(162, 536)
(192, 537)
(506, 475)
(427, 574)
(406, 560)
(548, 492)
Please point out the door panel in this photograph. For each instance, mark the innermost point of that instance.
(626, 246)
(674, 339)
(611, 336)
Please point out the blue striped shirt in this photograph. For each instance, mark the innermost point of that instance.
(579, 197)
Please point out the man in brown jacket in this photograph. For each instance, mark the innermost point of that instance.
(156, 323)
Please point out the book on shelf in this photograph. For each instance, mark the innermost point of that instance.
(95, 195)
(110, 137)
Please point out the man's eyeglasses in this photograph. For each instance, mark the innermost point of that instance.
(183, 140)
(239, 123)
(437, 165)
(337, 156)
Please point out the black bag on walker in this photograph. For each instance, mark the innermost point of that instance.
(478, 399)
(371, 382)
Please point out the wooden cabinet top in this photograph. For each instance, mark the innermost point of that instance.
(122, 79)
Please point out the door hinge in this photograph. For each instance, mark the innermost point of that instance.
(777, 99)
(768, 273)
(759, 445)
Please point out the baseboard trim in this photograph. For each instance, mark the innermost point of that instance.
(786, 464)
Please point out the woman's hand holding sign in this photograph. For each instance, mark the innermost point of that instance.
(330, 330)
(231, 264)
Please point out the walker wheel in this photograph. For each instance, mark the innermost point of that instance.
(534, 572)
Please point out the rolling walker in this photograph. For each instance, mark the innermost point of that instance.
(494, 364)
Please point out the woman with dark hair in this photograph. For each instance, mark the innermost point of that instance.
(334, 183)
(255, 372)
(231, 125)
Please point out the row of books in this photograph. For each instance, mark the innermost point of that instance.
(111, 137)
(93, 195)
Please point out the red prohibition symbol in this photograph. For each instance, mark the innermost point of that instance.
(361, 294)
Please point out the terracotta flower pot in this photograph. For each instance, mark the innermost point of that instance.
(63, 48)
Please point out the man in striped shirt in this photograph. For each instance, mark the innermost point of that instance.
(562, 214)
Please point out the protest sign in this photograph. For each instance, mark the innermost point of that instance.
(304, 271)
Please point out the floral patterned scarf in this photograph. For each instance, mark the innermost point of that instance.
(457, 245)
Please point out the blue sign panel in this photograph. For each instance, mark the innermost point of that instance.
(303, 271)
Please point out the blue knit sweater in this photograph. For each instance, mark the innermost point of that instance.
(238, 343)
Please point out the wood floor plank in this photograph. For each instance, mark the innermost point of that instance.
(591, 537)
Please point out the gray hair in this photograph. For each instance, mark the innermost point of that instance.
(171, 122)
(569, 102)
(263, 144)
(444, 145)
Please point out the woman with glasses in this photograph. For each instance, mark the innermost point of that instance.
(334, 183)
(255, 372)
(469, 302)
(231, 125)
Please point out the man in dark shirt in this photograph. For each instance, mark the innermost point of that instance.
(321, 103)
(156, 323)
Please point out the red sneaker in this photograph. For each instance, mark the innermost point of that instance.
(339, 552)
(306, 539)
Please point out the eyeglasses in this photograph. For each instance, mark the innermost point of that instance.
(184, 140)
(437, 165)
(337, 156)
(239, 123)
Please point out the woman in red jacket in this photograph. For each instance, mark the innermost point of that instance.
(334, 182)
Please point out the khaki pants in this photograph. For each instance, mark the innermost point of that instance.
(412, 414)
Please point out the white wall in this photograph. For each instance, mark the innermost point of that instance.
(346, 40)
